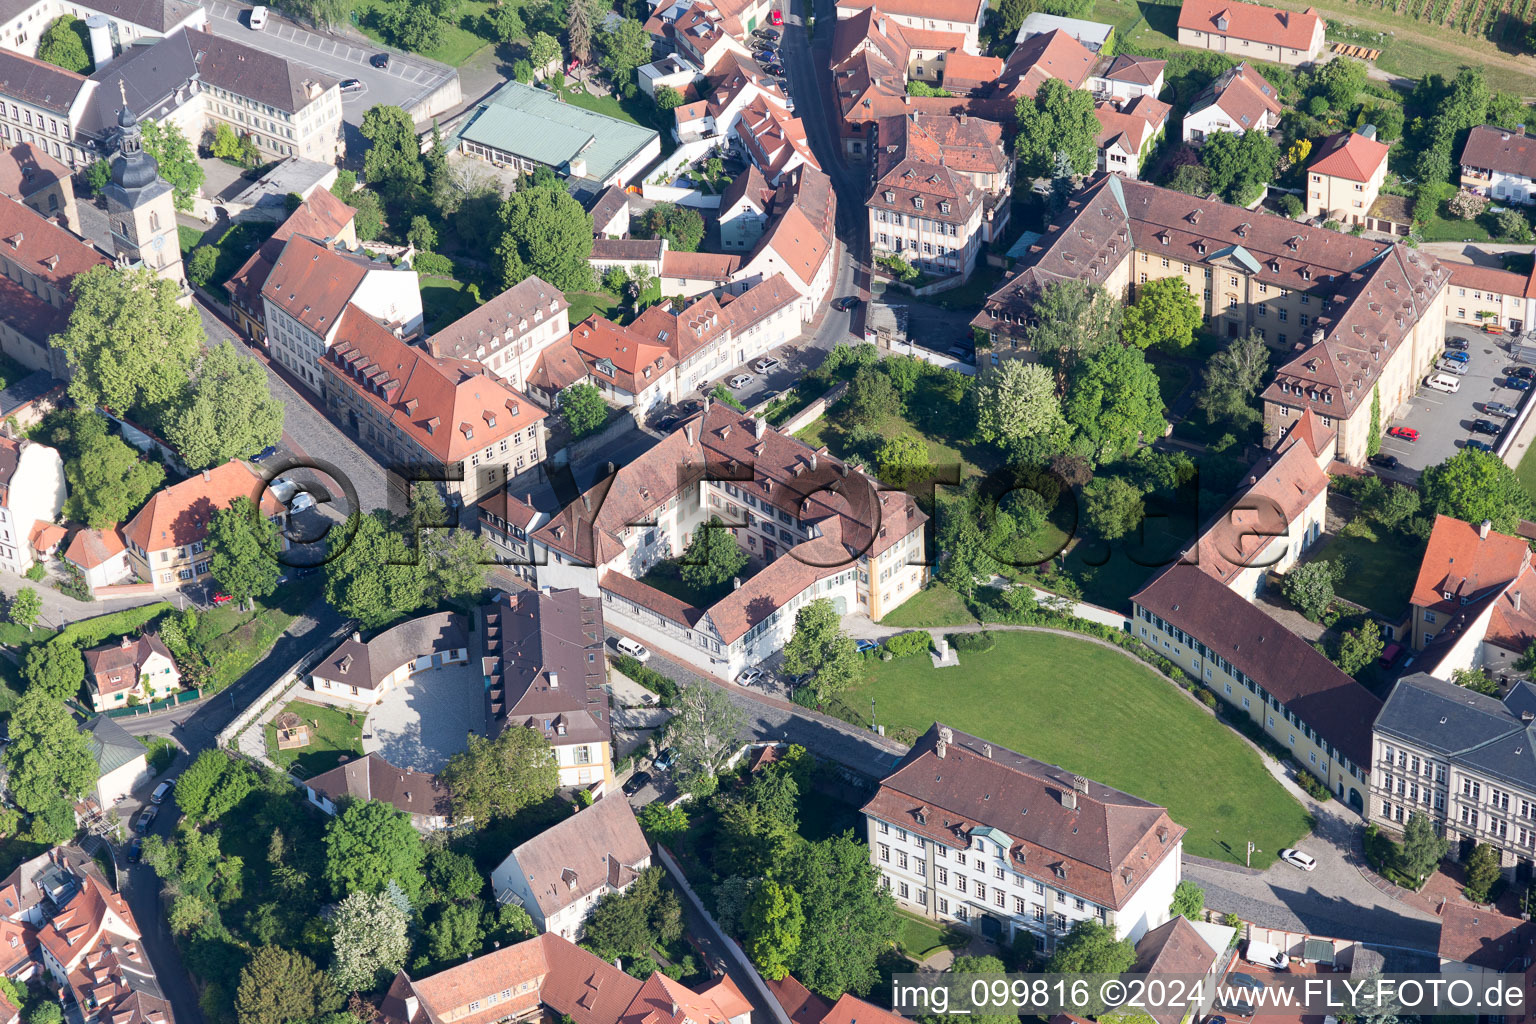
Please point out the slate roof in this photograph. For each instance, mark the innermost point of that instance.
(256, 74)
(1291, 29)
(484, 330)
(1063, 830)
(1483, 733)
(596, 848)
(36, 82)
(1499, 149)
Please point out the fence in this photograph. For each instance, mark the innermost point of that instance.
(273, 692)
(174, 700)
(811, 413)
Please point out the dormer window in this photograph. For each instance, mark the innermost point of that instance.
(1200, 248)
(944, 207)
(917, 201)
(890, 196)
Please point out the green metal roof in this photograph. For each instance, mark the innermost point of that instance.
(537, 125)
(111, 745)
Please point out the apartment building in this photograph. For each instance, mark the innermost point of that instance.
(545, 669)
(1345, 176)
(1462, 759)
(1239, 100)
(41, 104)
(508, 333)
(286, 108)
(1124, 78)
(811, 527)
(113, 25)
(506, 522)
(965, 832)
(1252, 31)
(322, 218)
(168, 538)
(1368, 314)
(38, 263)
(1486, 297)
(425, 417)
(955, 18)
(1500, 163)
(311, 285)
(32, 492)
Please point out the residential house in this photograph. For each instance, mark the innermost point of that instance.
(1127, 134)
(122, 763)
(100, 555)
(1486, 297)
(113, 25)
(38, 264)
(626, 254)
(610, 213)
(744, 210)
(710, 336)
(774, 141)
(857, 546)
(961, 18)
(323, 219)
(1185, 950)
(549, 973)
(1476, 941)
(799, 241)
(691, 274)
(364, 673)
(30, 176)
(1345, 176)
(1124, 78)
(669, 70)
(1464, 760)
(702, 37)
(311, 285)
(965, 832)
(559, 875)
(967, 74)
(735, 83)
(1093, 35)
(626, 369)
(32, 492)
(542, 655)
(1500, 163)
(506, 522)
(370, 777)
(168, 538)
(507, 334)
(1294, 694)
(1239, 100)
(1252, 31)
(133, 670)
(1040, 58)
(1367, 315)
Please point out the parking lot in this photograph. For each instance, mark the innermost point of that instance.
(1444, 421)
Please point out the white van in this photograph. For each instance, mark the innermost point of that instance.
(258, 17)
(634, 649)
(1443, 382)
(1266, 955)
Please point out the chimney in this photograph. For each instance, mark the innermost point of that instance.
(1069, 799)
(986, 751)
(1517, 600)
(962, 119)
(735, 582)
(207, 476)
(759, 427)
(813, 460)
(688, 433)
(1483, 528)
(357, 638)
(554, 680)
(1079, 783)
(1528, 716)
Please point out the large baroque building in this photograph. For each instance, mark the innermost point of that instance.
(966, 832)
(1355, 317)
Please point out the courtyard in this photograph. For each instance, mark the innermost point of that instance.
(1096, 712)
(427, 719)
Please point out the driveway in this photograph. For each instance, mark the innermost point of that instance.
(424, 721)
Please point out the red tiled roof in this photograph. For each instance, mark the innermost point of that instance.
(699, 266)
(42, 248)
(1351, 156)
(91, 548)
(969, 71)
(26, 169)
(116, 666)
(313, 283)
(800, 1004)
(1484, 938)
(1243, 94)
(1138, 121)
(45, 536)
(1053, 54)
(1487, 279)
(618, 355)
(178, 515)
(322, 217)
(970, 11)
(1291, 29)
(1465, 565)
(573, 858)
(1136, 70)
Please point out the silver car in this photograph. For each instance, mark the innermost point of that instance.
(1499, 409)
(1447, 366)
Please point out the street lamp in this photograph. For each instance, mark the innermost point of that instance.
(1251, 850)
(872, 713)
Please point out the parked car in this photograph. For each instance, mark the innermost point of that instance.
(750, 676)
(222, 598)
(1305, 861)
(351, 85)
(846, 304)
(1523, 372)
(1518, 383)
(265, 454)
(1459, 344)
(1458, 356)
(765, 364)
(258, 18)
(136, 850)
(633, 648)
(1488, 427)
(965, 355)
(1265, 955)
(379, 60)
(775, 17)
(636, 782)
(774, 69)
(1476, 445)
(1449, 383)
(1383, 461)
(867, 645)
(1499, 409)
(766, 57)
(1403, 433)
(158, 796)
(689, 406)
(741, 380)
(1447, 366)
(302, 501)
(665, 760)
(147, 818)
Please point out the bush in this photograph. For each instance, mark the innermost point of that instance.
(906, 645)
(1292, 207)
(1466, 205)
(1313, 786)
(973, 643)
(433, 263)
(662, 686)
(1206, 697)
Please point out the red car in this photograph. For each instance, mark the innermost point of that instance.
(1406, 433)
(222, 599)
(775, 17)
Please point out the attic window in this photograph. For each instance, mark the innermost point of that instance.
(917, 201)
(890, 196)
(1200, 248)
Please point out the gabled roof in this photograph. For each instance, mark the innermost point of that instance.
(1173, 948)
(1140, 119)
(543, 656)
(1064, 830)
(1242, 94)
(115, 666)
(1493, 737)
(773, 138)
(39, 83)
(178, 515)
(1135, 70)
(90, 548)
(1349, 155)
(596, 849)
(1485, 938)
(1460, 562)
(620, 356)
(1487, 279)
(1054, 54)
(111, 745)
(322, 217)
(265, 77)
(370, 777)
(313, 283)
(1499, 149)
(485, 329)
(969, 11)
(26, 169)
(1291, 29)
(43, 249)
(365, 665)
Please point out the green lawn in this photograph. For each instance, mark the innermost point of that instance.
(462, 36)
(935, 605)
(666, 576)
(1381, 572)
(1172, 379)
(161, 752)
(601, 104)
(585, 304)
(831, 430)
(444, 300)
(1099, 713)
(233, 641)
(1109, 573)
(188, 238)
(1526, 471)
(332, 733)
(919, 937)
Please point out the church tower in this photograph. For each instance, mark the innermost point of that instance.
(140, 206)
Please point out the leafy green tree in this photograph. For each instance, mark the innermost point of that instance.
(544, 50)
(48, 757)
(129, 344)
(584, 410)
(322, 14)
(1188, 900)
(226, 144)
(1091, 948)
(108, 479)
(455, 935)
(25, 607)
(661, 823)
(498, 778)
(231, 412)
(422, 234)
(1240, 164)
(1422, 848)
(1373, 431)
(968, 557)
(453, 875)
(704, 731)
(1012, 14)
(1482, 871)
(63, 44)
(370, 220)
(212, 786)
(1114, 402)
(178, 163)
(201, 267)
(97, 176)
(1113, 506)
(1473, 486)
(369, 942)
(45, 1011)
(1310, 588)
(1340, 81)
(668, 98)
(370, 844)
(545, 232)
(55, 669)
(1192, 179)
(681, 226)
(1511, 226)
(1476, 680)
(375, 579)
(415, 25)
(1358, 648)
(1164, 314)
(713, 556)
(245, 545)
(759, 827)
(508, 26)
(1017, 405)
(1389, 123)
(1074, 320)
(871, 397)
(773, 922)
(902, 461)
(393, 160)
(965, 972)
(850, 918)
(1059, 119)
(626, 46)
(279, 986)
(820, 648)
(1232, 380)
